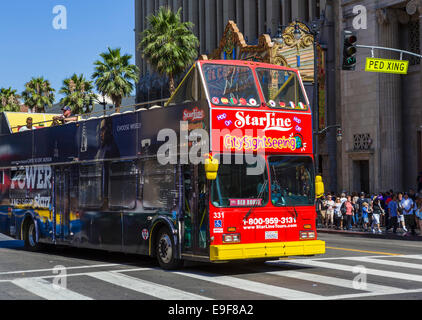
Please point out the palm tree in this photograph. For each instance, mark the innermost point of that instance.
(169, 44)
(38, 94)
(9, 100)
(78, 93)
(114, 75)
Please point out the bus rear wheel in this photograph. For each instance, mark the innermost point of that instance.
(30, 236)
(166, 251)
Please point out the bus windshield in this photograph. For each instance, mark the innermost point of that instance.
(231, 85)
(292, 181)
(235, 186)
(281, 89)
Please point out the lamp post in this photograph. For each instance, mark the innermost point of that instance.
(278, 38)
(103, 103)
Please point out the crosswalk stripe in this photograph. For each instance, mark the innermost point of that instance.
(341, 267)
(413, 256)
(146, 287)
(374, 288)
(67, 268)
(387, 262)
(253, 286)
(47, 290)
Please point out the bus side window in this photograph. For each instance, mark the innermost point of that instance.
(91, 186)
(159, 186)
(122, 185)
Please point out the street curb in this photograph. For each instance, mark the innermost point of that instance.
(389, 236)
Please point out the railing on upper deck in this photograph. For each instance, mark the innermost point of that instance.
(104, 113)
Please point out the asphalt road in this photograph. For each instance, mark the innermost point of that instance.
(353, 268)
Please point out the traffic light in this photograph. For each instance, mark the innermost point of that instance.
(339, 134)
(349, 50)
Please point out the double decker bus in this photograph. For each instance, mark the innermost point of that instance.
(138, 181)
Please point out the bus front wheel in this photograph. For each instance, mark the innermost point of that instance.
(166, 251)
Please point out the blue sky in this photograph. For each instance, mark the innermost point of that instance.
(30, 46)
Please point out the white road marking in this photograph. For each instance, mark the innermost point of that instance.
(338, 282)
(67, 268)
(413, 256)
(341, 267)
(255, 287)
(146, 287)
(388, 262)
(46, 290)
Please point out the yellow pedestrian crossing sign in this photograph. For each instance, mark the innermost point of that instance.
(386, 66)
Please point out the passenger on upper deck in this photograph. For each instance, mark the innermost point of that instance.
(28, 125)
(67, 116)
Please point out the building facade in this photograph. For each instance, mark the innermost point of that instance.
(380, 113)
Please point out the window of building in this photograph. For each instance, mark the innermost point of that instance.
(122, 185)
(91, 186)
(159, 186)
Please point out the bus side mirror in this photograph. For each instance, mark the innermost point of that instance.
(319, 186)
(211, 168)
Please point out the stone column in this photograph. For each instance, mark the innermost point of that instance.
(390, 115)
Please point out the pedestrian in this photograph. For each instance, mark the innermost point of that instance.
(329, 219)
(376, 214)
(321, 210)
(338, 214)
(380, 197)
(412, 195)
(400, 212)
(388, 198)
(408, 211)
(360, 202)
(365, 216)
(356, 215)
(419, 181)
(348, 217)
(418, 214)
(392, 213)
(343, 198)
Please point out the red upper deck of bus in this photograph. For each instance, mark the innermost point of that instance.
(257, 107)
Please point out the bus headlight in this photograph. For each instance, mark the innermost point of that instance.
(231, 238)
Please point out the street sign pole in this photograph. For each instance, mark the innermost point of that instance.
(389, 49)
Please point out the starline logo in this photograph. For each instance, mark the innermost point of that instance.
(193, 115)
(269, 122)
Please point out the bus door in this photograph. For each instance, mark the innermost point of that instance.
(62, 202)
(195, 210)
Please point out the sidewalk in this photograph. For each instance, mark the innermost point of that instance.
(357, 232)
(7, 242)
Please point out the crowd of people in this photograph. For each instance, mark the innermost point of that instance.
(390, 211)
